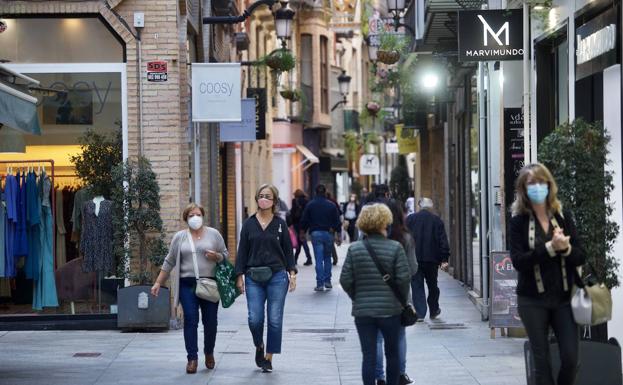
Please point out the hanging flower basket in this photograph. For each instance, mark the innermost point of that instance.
(373, 108)
(280, 60)
(388, 57)
(291, 95)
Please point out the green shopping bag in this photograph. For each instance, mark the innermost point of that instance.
(226, 283)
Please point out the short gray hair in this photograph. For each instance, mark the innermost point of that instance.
(426, 203)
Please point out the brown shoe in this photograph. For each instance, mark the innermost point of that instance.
(210, 361)
(191, 367)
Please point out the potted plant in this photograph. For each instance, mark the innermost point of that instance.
(139, 244)
(292, 94)
(391, 48)
(280, 60)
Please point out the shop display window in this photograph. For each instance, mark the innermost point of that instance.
(65, 284)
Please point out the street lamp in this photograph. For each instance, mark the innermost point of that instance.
(344, 84)
(397, 9)
(430, 81)
(283, 17)
(373, 53)
(283, 21)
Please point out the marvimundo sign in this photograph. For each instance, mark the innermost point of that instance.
(490, 35)
(596, 44)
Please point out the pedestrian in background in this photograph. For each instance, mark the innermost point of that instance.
(339, 213)
(296, 214)
(351, 211)
(375, 306)
(322, 219)
(209, 250)
(545, 251)
(432, 251)
(265, 269)
(400, 234)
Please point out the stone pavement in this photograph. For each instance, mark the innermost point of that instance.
(320, 346)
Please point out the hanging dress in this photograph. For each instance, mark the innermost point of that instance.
(33, 220)
(96, 237)
(10, 195)
(2, 230)
(21, 242)
(44, 293)
(61, 249)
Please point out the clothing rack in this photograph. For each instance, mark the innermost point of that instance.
(39, 162)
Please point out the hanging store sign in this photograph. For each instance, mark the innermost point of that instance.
(369, 164)
(216, 92)
(259, 94)
(408, 140)
(243, 131)
(490, 35)
(597, 44)
(157, 71)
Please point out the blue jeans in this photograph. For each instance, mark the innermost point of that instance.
(427, 271)
(368, 329)
(322, 242)
(274, 292)
(209, 310)
(402, 353)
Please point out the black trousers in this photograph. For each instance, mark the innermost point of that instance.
(427, 271)
(537, 316)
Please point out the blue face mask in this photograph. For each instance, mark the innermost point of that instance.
(537, 193)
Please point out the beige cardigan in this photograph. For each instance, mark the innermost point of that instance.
(175, 250)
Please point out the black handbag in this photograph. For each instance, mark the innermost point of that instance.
(408, 316)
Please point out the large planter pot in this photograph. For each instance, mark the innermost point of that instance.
(388, 57)
(138, 309)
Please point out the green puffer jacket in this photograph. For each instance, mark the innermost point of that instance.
(363, 283)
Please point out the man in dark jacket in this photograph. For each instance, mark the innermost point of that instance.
(322, 219)
(432, 251)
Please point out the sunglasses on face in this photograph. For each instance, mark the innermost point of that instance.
(264, 196)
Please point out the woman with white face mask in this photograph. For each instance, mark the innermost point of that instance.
(209, 248)
(545, 251)
(265, 269)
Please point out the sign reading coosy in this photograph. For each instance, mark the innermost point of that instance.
(490, 35)
(216, 92)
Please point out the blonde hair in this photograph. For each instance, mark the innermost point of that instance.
(539, 173)
(374, 218)
(190, 207)
(272, 189)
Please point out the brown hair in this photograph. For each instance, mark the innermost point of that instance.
(540, 173)
(299, 193)
(374, 218)
(275, 192)
(191, 207)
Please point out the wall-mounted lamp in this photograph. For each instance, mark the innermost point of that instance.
(344, 84)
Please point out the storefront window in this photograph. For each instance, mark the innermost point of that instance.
(62, 40)
(69, 282)
(475, 187)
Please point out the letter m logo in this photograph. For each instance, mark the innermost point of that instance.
(496, 35)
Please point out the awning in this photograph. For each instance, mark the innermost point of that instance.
(18, 110)
(309, 160)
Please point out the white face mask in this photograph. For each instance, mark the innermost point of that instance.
(195, 222)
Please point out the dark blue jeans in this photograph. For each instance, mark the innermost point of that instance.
(274, 293)
(427, 271)
(322, 242)
(368, 329)
(379, 373)
(209, 310)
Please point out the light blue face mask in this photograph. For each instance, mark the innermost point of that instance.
(537, 192)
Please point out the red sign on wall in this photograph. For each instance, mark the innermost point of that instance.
(157, 71)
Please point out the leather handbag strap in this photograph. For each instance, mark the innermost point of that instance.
(194, 252)
(389, 280)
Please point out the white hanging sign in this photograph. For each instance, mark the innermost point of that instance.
(369, 164)
(216, 92)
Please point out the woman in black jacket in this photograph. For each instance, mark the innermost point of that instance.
(545, 251)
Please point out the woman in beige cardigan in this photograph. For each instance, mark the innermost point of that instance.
(210, 249)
